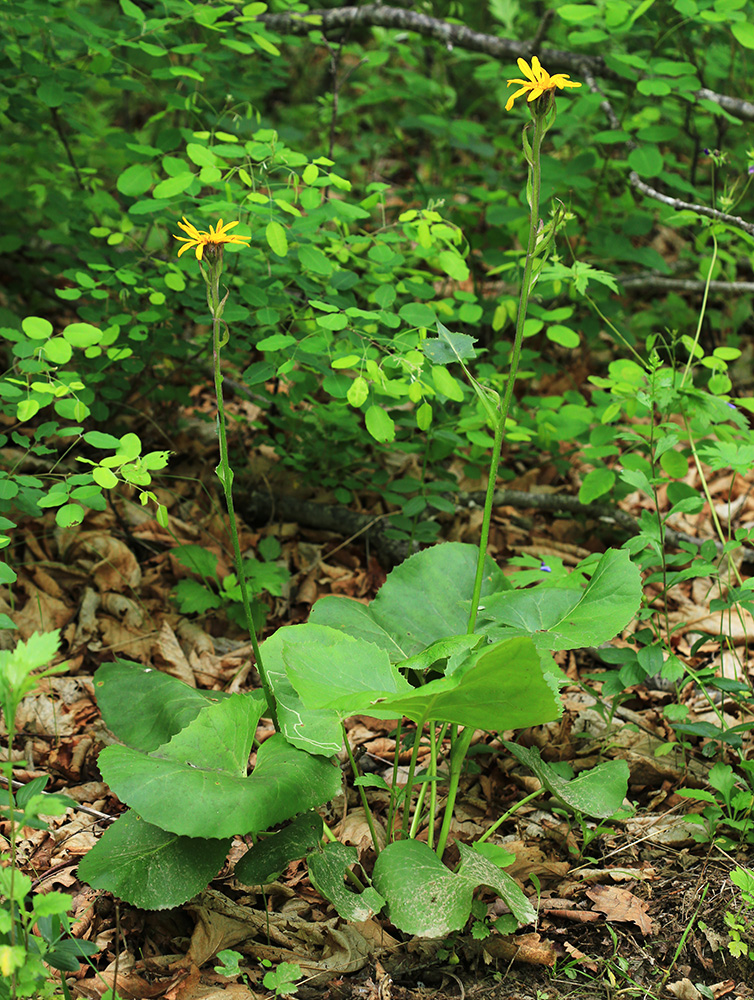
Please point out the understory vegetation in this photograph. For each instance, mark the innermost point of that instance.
(375, 498)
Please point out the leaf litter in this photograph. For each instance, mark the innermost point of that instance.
(109, 587)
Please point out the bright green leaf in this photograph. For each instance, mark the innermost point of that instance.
(380, 424)
(276, 238)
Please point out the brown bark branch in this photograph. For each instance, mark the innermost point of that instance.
(458, 35)
(635, 282)
(639, 185)
(711, 213)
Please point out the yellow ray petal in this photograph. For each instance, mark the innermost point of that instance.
(524, 67)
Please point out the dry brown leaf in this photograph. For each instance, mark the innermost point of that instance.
(355, 830)
(41, 613)
(722, 989)
(615, 874)
(738, 624)
(75, 838)
(531, 858)
(86, 623)
(529, 948)
(115, 567)
(321, 948)
(187, 986)
(580, 957)
(374, 933)
(64, 877)
(563, 909)
(622, 906)
(201, 991)
(168, 656)
(307, 592)
(684, 989)
(663, 828)
(214, 931)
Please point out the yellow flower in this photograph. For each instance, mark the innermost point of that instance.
(200, 239)
(537, 81)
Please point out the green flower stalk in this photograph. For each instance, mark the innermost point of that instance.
(540, 87)
(209, 252)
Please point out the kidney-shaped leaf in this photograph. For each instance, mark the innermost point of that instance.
(315, 730)
(426, 898)
(599, 792)
(327, 869)
(505, 686)
(197, 786)
(149, 867)
(423, 896)
(426, 598)
(480, 870)
(268, 859)
(144, 707)
(330, 669)
(569, 619)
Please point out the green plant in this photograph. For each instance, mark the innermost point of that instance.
(475, 656)
(34, 927)
(262, 576)
(739, 923)
(730, 808)
(281, 978)
(36, 383)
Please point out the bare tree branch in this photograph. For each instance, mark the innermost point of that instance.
(257, 507)
(711, 213)
(451, 35)
(458, 35)
(735, 105)
(636, 182)
(634, 282)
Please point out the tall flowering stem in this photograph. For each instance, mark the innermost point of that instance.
(211, 265)
(543, 115)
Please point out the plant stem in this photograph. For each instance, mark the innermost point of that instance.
(498, 822)
(457, 757)
(393, 794)
(542, 122)
(543, 118)
(417, 817)
(437, 739)
(14, 909)
(224, 471)
(362, 794)
(410, 782)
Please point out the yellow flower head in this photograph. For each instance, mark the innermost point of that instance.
(537, 81)
(200, 239)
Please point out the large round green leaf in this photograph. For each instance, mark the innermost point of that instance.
(569, 619)
(426, 598)
(507, 685)
(149, 867)
(315, 730)
(197, 785)
(268, 859)
(144, 707)
(426, 898)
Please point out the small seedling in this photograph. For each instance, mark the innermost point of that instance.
(282, 979)
(731, 807)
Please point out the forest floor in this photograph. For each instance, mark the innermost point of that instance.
(637, 912)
